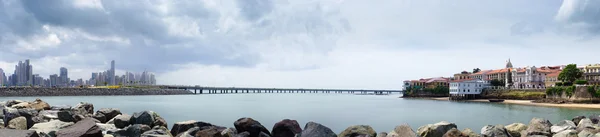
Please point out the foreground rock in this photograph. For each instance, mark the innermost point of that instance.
(585, 124)
(38, 104)
(515, 129)
(109, 113)
(84, 128)
(135, 130)
(144, 117)
(157, 132)
(566, 133)
(470, 133)
(312, 129)
(454, 133)
(494, 131)
(286, 128)
(538, 126)
(435, 130)
(122, 121)
(17, 133)
(50, 128)
(562, 126)
(19, 123)
(251, 126)
(577, 119)
(358, 130)
(184, 126)
(402, 131)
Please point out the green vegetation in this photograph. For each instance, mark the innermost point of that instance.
(569, 91)
(475, 70)
(570, 73)
(554, 90)
(439, 90)
(581, 82)
(558, 84)
(524, 94)
(497, 83)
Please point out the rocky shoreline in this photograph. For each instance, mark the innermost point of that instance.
(27, 91)
(38, 118)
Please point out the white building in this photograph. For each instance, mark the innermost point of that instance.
(466, 89)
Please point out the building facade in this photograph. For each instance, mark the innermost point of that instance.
(591, 73)
(466, 89)
(420, 84)
(64, 77)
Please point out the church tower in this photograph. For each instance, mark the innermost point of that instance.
(508, 74)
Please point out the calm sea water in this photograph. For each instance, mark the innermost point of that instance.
(337, 111)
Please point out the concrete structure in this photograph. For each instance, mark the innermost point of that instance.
(466, 88)
(427, 83)
(230, 90)
(3, 78)
(591, 73)
(111, 75)
(462, 75)
(64, 77)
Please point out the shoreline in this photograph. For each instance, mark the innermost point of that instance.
(523, 102)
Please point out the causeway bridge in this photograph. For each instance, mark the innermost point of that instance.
(233, 90)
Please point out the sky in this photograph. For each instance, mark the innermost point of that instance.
(352, 44)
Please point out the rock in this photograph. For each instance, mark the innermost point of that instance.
(566, 133)
(252, 126)
(112, 121)
(515, 129)
(312, 129)
(158, 131)
(19, 123)
(211, 131)
(50, 128)
(22, 105)
(84, 128)
(106, 127)
(38, 104)
(100, 117)
(109, 113)
(403, 130)
(184, 126)
(585, 133)
(31, 115)
(84, 108)
(263, 134)
(144, 117)
(562, 126)
(594, 118)
(286, 128)
(577, 119)
(10, 103)
(66, 116)
(17, 133)
(122, 121)
(358, 130)
(585, 124)
(454, 133)
(538, 126)
(159, 121)
(469, 133)
(247, 134)
(435, 130)
(494, 131)
(61, 107)
(382, 134)
(136, 130)
(9, 114)
(49, 114)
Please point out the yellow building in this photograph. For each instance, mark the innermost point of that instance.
(591, 73)
(551, 79)
(462, 75)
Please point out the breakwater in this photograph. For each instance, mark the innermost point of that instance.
(27, 91)
(40, 118)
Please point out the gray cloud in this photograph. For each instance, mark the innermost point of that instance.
(583, 15)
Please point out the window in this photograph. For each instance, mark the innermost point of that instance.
(463, 90)
(469, 90)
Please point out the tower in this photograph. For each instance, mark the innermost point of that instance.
(508, 74)
(111, 77)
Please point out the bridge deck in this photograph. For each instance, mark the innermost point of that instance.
(215, 90)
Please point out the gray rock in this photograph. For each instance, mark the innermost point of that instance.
(66, 116)
(10, 103)
(562, 126)
(211, 131)
(112, 121)
(122, 121)
(131, 131)
(494, 131)
(84, 108)
(19, 123)
(286, 128)
(17, 133)
(250, 125)
(435, 130)
(50, 128)
(358, 130)
(228, 132)
(577, 119)
(49, 114)
(31, 115)
(144, 117)
(515, 129)
(106, 127)
(454, 133)
(312, 129)
(538, 126)
(382, 134)
(403, 130)
(158, 131)
(585, 133)
(566, 133)
(61, 107)
(9, 114)
(100, 117)
(109, 113)
(585, 124)
(159, 121)
(470, 133)
(245, 134)
(184, 126)
(84, 128)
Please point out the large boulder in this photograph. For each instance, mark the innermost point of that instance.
(594, 118)
(211, 131)
(191, 132)
(49, 114)
(286, 128)
(17, 133)
(61, 107)
(159, 121)
(122, 121)
(494, 131)
(184, 126)
(66, 116)
(109, 113)
(585, 124)
(566, 133)
(358, 130)
(562, 126)
(31, 115)
(312, 129)
(515, 129)
(144, 117)
(112, 121)
(250, 125)
(84, 108)
(538, 126)
(435, 130)
(50, 128)
(585, 133)
(100, 117)
(454, 133)
(106, 127)
(38, 104)
(19, 123)
(470, 133)
(132, 131)
(9, 114)
(10, 103)
(228, 132)
(21, 105)
(382, 134)
(403, 130)
(577, 119)
(157, 131)
(84, 128)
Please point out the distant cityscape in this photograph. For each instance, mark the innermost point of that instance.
(24, 76)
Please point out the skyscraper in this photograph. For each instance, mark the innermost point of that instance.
(64, 77)
(23, 74)
(111, 77)
(2, 78)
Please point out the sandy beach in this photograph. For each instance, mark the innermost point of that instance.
(528, 102)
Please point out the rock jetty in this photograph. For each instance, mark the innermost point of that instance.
(40, 119)
(26, 91)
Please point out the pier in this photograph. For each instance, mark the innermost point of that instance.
(239, 90)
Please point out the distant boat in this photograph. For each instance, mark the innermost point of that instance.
(496, 100)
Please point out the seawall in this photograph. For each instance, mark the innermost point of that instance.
(87, 91)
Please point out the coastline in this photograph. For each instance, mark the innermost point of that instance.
(525, 102)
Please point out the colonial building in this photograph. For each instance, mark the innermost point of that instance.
(466, 89)
(427, 83)
(462, 75)
(591, 73)
(551, 79)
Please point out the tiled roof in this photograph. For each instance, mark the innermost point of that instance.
(499, 71)
(462, 80)
(481, 72)
(553, 74)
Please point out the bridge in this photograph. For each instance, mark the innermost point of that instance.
(233, 90)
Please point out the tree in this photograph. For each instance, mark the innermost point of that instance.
(496, 82)
(105, 83)
(475, 70)
(570, 73)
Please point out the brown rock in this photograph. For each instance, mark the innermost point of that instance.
(38, 104)
(17, 133)
(286, 128)
(84, 128)
(250, 125)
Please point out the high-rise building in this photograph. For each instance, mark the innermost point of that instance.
(64, 77)
(111, 77)
(54, 80)
(2, 78)
(23, 74)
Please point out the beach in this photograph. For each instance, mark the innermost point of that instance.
(528, 102)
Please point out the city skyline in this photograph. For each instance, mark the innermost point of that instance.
(296, 43)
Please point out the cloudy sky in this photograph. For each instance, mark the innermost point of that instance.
(357, 44)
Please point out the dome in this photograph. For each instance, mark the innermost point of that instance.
(509, 64)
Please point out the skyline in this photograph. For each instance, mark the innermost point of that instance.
(296, 43)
